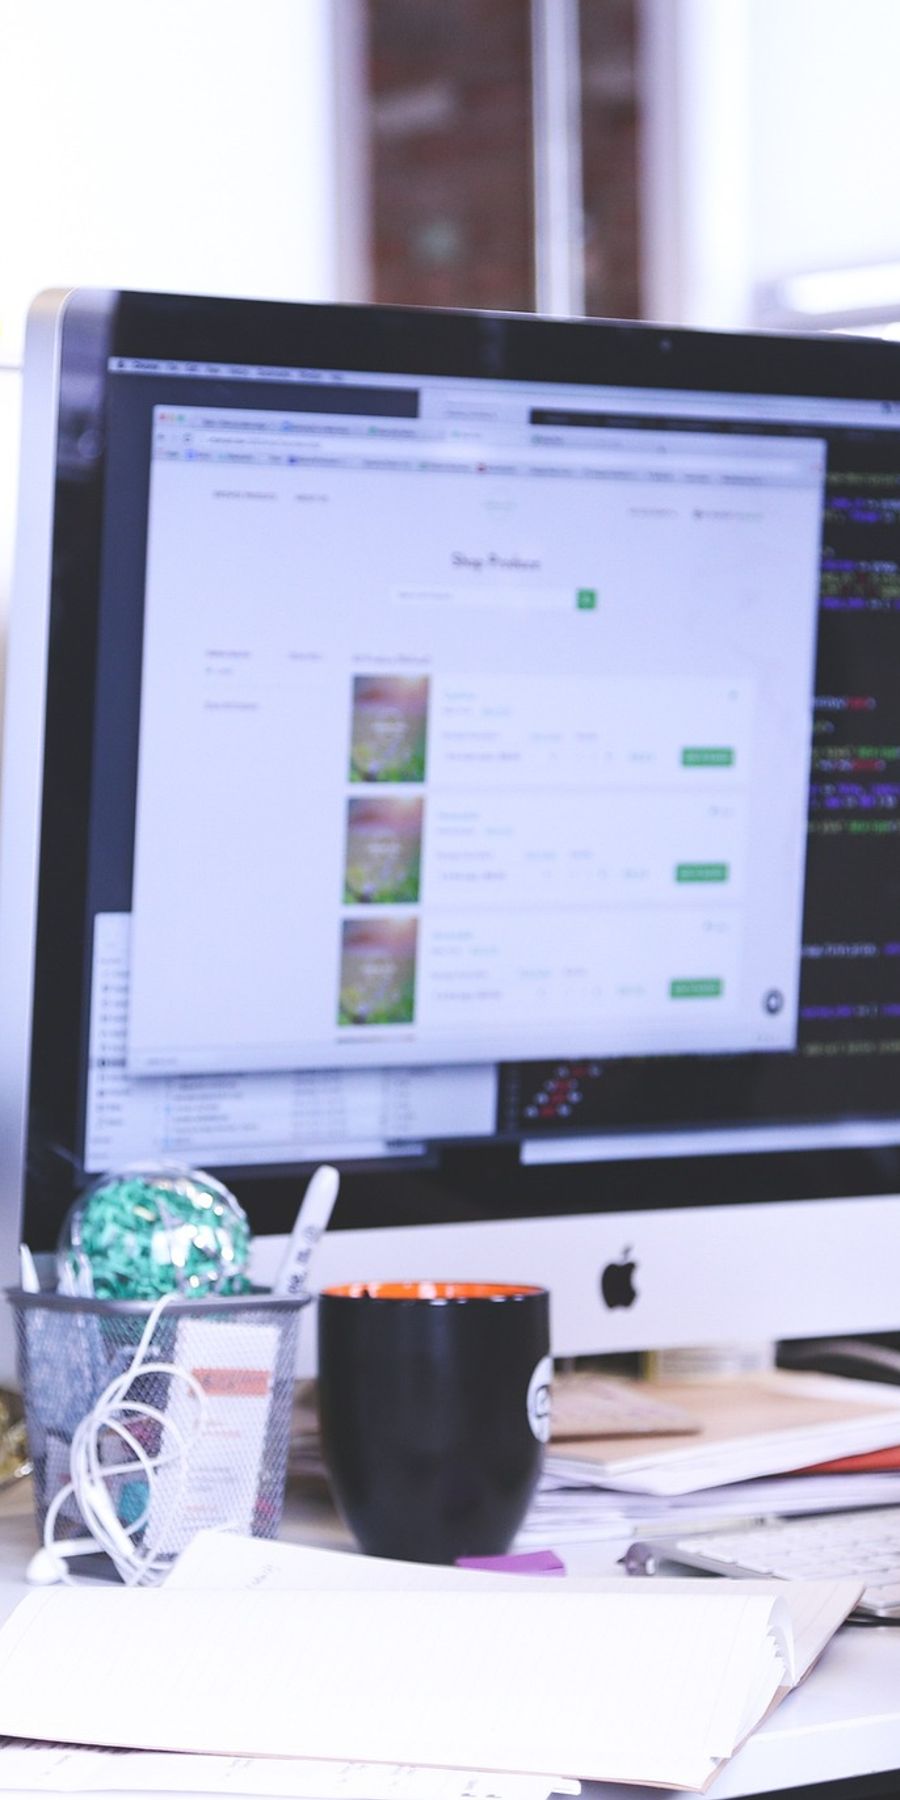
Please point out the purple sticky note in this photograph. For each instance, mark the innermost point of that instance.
(523, 1562)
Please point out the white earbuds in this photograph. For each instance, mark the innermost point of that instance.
(46, 1567)
(136, 1561)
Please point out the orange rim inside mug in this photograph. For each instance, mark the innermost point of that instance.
(431, 1290)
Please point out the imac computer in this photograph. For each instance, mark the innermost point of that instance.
(465, 749)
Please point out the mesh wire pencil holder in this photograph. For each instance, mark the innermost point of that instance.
(221, 1461)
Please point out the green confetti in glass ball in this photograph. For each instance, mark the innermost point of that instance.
(151, 1231)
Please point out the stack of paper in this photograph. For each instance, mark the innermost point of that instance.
(481, 1672)
(565, 1512)
(754, 1425)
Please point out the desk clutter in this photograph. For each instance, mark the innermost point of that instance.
(157, 1382)
(571, 1505)
(777, 1443)
(745, 1426)
(159, 1422)
(158, 1385)
(407, 1664)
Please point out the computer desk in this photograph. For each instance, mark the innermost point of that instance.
(836, 1738)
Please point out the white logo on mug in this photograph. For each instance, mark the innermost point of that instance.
(538, 1401)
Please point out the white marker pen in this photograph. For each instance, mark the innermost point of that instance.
(28, 1275)
(315, 1211)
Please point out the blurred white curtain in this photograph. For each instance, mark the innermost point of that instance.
(189, 145)
(771, 143)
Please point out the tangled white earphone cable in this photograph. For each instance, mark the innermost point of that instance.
(139, 1560)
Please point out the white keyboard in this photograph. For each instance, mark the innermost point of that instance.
(864, 1544)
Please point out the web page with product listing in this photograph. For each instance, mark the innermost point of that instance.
(519, 798)
(489, 746)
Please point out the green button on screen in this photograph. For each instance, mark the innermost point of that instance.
(699, 987)
(701, 872)
(707, 756)
(586, 599)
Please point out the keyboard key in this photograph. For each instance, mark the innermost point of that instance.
(884, 1596)
(865, 1544)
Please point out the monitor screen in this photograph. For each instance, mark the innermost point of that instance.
(470, 758)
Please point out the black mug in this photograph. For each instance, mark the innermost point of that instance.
(434, 1404)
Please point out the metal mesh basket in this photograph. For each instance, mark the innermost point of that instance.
(222, 1462)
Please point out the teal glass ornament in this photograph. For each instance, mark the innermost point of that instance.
(150, 1230)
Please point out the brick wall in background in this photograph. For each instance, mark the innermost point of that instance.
(609, 105)
(451, 160)
(451, 152)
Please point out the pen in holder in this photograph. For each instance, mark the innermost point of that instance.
(157, 1384)
(186, 1430)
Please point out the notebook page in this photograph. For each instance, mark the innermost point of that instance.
(507, 1681)
(815, 1609)
(768, 1688)
(218, 1559)
(29, 1768)
(753, 1677)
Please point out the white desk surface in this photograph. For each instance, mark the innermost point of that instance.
(844, 1721)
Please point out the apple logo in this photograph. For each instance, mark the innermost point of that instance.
(617, 1281)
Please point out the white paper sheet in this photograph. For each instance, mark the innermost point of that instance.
(534, 1680)
(27, 1768)
(218, 1559)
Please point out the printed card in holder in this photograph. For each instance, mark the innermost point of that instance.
(217, 1482)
